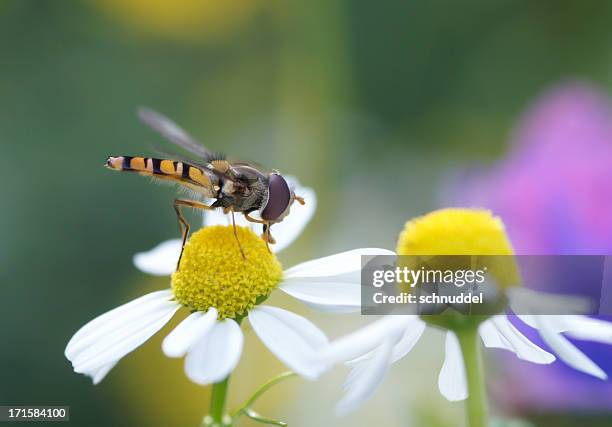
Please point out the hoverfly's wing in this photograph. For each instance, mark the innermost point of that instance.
(169, 153)
(235, 171)
(261, 168)
(174, 133)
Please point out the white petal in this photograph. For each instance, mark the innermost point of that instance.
(331, 284)
(452, 381)
(589, 329)
(188, 332)
(498, 332)
(556, 323)
(525, 301)
(216, 355)
(161, 260)
(99, 375)
(491, 337)
(528, 319)
(113, 317)
(103, 319)
(357, 367)
(114, 345)
(566, 350)
(575, 325)
(365, 339)
(292, 338)
(368, 378)
(329, 296)
(407, 340)
(106, 339)
(334, 265)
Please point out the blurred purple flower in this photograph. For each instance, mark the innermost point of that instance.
(554, 189)
(554, 193)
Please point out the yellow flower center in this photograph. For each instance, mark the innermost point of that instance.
(213, 272)
(462, 232)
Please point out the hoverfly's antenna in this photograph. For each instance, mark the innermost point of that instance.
(299, 199)
(236, 235)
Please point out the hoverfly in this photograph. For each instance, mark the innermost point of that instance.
(234, 186)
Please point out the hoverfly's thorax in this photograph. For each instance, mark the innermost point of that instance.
(280, 198)
(243, 193)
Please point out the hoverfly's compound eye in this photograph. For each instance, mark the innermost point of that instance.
(279, 197)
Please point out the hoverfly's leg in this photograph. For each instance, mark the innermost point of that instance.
(266, 236)
(183, 224)
(254, 220)
(236, 235)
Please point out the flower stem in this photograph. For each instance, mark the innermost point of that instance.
(217, 401)
(472, 357)
(261, 390)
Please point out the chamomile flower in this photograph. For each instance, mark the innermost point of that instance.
(371, 350)
(221, 289)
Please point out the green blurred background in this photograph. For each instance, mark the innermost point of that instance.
(373, 104)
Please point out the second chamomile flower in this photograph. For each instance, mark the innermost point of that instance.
(370, 351)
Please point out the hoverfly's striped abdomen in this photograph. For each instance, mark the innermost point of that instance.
(146, 165)
(182, 173)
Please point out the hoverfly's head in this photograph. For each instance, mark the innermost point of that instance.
(280, 199)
